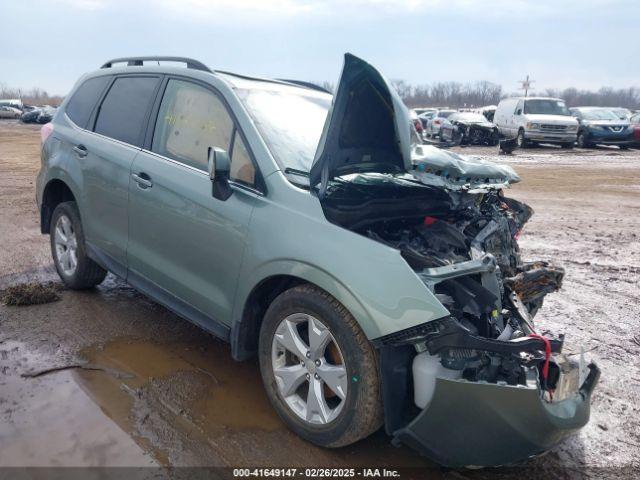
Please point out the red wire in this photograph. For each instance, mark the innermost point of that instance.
(547, 354)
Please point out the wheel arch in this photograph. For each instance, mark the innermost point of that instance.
(252, 306)
(55, 192)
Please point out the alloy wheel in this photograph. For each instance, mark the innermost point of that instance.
(309, 369)
(66, 245)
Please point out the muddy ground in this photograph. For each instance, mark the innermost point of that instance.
(135, 385)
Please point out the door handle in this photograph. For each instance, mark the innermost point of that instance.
(81, 151)
(142, 179)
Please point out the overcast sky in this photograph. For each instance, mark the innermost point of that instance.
(583, 43)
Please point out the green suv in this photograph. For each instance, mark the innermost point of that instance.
(378, 280)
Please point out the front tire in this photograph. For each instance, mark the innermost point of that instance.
(582, 141)
(75, 268)
(319, 370)
(520, 140)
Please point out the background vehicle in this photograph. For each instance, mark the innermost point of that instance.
(536, 119)
(9, 112)
(416, 122)
(489, 111)
(45, 114)
(31, 115)
(274, 235)
(425, 117)
(600, 126)
(635, 122)
(433, 125)
(467, 128)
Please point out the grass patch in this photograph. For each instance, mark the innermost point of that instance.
(32, 293)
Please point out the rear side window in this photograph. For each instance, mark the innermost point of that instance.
(84, 99)
(190, 120)
(123, 111)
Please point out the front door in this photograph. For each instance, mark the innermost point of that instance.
(183, 242)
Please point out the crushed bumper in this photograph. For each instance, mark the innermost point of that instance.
(484, 424)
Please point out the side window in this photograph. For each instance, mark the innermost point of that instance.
(84, 99)
(190, 120)
(242, 168)
(124, 109)
(520, 106)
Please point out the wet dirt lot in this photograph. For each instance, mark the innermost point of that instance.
(108, 377)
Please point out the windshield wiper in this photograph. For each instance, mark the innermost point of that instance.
(295, 171)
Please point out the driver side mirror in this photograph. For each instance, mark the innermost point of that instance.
(219, 167)
(519, 111)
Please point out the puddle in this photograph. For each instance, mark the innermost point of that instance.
(51, 421)
(174, 403)
(193, 404)
(201, 383)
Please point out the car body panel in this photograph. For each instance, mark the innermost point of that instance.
(503, 424)
(347, 267)
(351, 138)
(184, 240)
(457, 172)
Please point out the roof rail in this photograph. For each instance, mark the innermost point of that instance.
(303, 83)
(138, 62)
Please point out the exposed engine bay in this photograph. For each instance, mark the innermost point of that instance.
(463, 244)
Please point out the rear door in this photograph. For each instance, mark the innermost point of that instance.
(186, 247)
(106, 155)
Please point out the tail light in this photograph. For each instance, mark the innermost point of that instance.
(437, 122)
(46, 131)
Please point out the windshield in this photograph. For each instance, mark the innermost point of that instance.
(290, 120)
(545, 107)
(599, 115)
(445, 113)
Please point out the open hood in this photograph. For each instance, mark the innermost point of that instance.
(367, 127)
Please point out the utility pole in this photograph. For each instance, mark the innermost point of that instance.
(526, 84)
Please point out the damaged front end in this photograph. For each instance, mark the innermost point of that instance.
(480, 386)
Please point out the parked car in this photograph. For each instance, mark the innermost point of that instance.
(467, 128)
(45, 114)
(378, 281)
(536, 120)
(489, 111)
(600, 126)
(635, 121)
(9, 112)
(416, 122)
(31, 115)
(433, 125)
(425, 117)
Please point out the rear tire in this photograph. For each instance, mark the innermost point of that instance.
(354, 409)
(68, 249)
